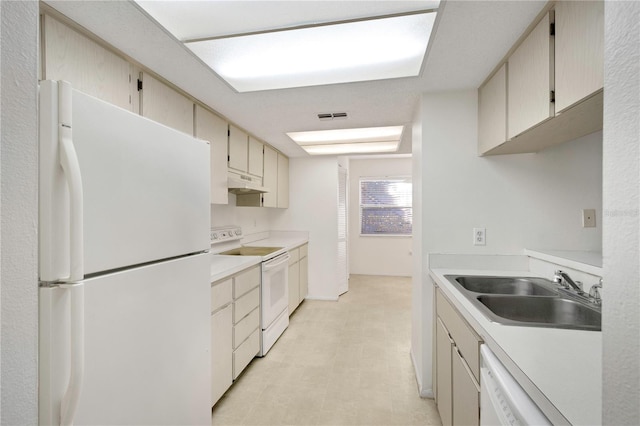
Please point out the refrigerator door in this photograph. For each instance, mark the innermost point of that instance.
(147, 347)
(145, 187)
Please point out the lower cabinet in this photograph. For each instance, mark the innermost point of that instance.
(298, 276)
(457, 366)
(235, 328)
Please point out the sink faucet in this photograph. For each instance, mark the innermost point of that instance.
(594, 294)
(565, 280)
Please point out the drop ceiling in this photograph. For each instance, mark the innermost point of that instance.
(470, 38)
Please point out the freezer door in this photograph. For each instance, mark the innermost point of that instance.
(147, 347)
(145, 187)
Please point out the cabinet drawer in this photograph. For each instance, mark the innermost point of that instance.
(467, 341)
(245, 327)
(304, 251)
(246, 304)
(220, 294)
(295, 256)
(246, 281)
(245, 353)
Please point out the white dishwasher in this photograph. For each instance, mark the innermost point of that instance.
(502, 399)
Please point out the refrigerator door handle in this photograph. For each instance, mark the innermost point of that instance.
(71, 167)
(75, 286)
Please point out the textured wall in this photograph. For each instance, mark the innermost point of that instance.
(19, 213)
(621, 241)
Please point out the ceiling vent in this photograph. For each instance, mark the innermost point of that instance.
(332, 116)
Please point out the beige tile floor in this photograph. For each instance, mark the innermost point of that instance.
(338, 363)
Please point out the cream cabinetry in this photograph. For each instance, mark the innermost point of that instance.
(554, 82)
(492, 111)
(212, 128)
(221, 339)
(457, 366)
(298, 276)
(238, 149)
(256, 155)
(89, 67)
(161, 103)
(245, 152)
(579, 47)
(235, 323)
(275, 179)
(270, 180)
(246, 318)
(283, 181)
(529, 82)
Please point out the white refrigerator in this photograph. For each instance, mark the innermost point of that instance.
(124, 267)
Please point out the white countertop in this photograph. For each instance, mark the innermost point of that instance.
(586, 261)
(223, 266)
(558, 368)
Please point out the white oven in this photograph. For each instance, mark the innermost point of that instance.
(274, 292)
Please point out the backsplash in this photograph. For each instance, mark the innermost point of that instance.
(250, 219)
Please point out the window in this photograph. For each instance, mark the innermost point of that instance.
(386, 206)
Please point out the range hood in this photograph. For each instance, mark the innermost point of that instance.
(240, 184)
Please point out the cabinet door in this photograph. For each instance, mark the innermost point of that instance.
(579, 50)
(270, 181)
(283, 181)
(256, 156)
(89, 67)
(304, 278)
(221, 353)
(161, 103)
(492, 111)
(238, 149)
(466, 393)
(443, 374)
(294, 286)
(529, 81)
(212, 128)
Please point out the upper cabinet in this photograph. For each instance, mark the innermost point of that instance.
(529, 82)
(238, 149)
(579, 51)
(89, 67)
(161, 103)
(492, 111)
(256, 153)
(245, 152)
(283, 181)
(554, 83)
(212, 128)
(270, 181)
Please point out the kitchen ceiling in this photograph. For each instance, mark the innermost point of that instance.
(469, 39)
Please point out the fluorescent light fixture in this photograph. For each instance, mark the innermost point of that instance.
(349, 141)
(372, 49)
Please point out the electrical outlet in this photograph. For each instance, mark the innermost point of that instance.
(479, 236)
(589, 218)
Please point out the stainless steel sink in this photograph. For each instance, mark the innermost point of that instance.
(538, 311)
(528, 301)
(507, 285)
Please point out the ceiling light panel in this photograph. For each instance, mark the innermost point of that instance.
(349, 141)
(349, 52)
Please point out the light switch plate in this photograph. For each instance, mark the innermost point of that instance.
(589, 218)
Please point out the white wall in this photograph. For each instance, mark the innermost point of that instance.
(19, 213)
(251, 219)
(621, 242)
(375, 255)
(313, 183)
(523, 201)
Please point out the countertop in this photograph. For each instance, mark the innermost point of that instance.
(223, 266)
(560, 369)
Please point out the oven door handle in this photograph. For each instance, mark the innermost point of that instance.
(283, 258)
